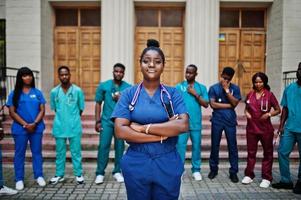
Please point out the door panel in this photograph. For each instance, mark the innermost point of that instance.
(252, 57)
(89, 60)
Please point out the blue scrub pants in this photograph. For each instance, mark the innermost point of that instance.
(105, 140)
(216, 134)
(196, 138)
(286, 145)
(75, 149)
(35, 141)
(1, 169)
(152, 176)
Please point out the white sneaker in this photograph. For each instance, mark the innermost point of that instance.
(118, 177)
(246, 180)
(197, 176)
(80, 179)
(41, 182)
(7, 191)
(99, 179)
(265, 183)
(19, 185)
(54, 180)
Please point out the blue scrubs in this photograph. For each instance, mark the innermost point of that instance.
(223, 120)
(151, 170)
(28, 109)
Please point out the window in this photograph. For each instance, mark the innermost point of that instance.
(160, 17)
(147, 17)
(242, 18)
(252, 18)
(90, 17)
(66, 17)
(171, 18)
(229, 18)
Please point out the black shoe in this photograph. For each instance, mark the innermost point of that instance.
(282, 185)
(234, 178)
(212, 175)
(297, 188)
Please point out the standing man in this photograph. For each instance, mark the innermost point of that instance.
(195, 96)
(109, 93)
(224, 97)
(290, 131)
(68, 102)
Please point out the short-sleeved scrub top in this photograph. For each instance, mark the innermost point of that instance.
(28, 109)
(149, 110)
(104, 93)
(258, 107)
(67, 107)
(225, 116)
(291, 99)
(192, 104)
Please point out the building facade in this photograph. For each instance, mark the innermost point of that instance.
(91, 36)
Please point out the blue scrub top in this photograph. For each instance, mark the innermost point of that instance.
(28, 109)
(149, 110)
(291, 99)
(104, 93)
(225, 116)
(192, 104)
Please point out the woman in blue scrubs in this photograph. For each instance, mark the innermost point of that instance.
(150, 116)
(27, 108)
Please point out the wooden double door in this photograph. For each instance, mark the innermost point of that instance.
(79, 48)
(244, 50)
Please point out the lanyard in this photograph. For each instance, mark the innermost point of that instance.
(168, 106)
(264, 103)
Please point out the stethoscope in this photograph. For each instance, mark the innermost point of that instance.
(264, 103)
(167, 106)
(70, 95)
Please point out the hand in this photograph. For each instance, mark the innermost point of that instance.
(98, 126)
(137, 127)
(30, 127)
(280, 130)
(265, 116)
(192, 91)
(248, 115)
(225, 84)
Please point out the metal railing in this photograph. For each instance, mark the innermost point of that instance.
(8, 83)
(289, 77)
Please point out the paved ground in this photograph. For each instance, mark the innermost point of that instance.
(219, 188)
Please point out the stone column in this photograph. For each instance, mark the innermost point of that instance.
(23, 34)
(117, 37)
(201, 38)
